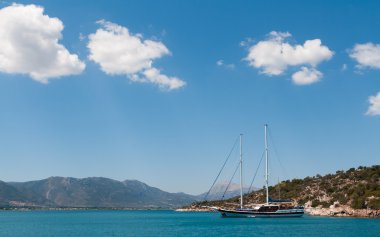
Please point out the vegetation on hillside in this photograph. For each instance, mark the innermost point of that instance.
(94, 192)
(358, 188)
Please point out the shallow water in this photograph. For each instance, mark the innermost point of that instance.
(170, 223)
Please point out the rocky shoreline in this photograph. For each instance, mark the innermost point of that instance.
(194, 210)
(334, 210)
(80, 209)
(341, 211)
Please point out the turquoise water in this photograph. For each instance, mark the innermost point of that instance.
(170, 223)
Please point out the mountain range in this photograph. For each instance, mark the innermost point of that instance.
(94, 192)
(219, 191)
(98, 192)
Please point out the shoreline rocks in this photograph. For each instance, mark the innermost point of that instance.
(342, 212)
(193, 210)
(335, 210)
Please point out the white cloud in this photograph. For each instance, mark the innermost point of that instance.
(153, 75)
(274, 55)
(221, 63)
(118, 52)
(306, 76)
(374, 108)
(82, 37)
(367, 55)
(29, 44)
(279, 36)
(246, 42)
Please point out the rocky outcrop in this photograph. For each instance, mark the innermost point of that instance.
(193, 210)
(340, 211)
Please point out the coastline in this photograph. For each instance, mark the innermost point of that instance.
(341, 211)
(80, 209)
(194, 210)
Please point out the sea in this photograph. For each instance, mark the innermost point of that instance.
(170, 223)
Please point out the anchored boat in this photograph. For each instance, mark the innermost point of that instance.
(272, 208)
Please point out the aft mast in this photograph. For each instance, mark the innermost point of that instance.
(266, 162)
(241, 171)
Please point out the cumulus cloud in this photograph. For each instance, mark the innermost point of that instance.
(29, 44)
(367, 55)
(82, 37)
(153, 75)
(221, 63)
(119, 52)
(374, 108)
(306, 76)
(246, 42)
(274, 55)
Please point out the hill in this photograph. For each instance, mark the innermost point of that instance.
(95, 192)
(347, 191)
(9, 193)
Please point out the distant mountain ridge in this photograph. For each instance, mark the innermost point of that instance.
(94, 192)
(217, 192)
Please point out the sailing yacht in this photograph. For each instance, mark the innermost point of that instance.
(272, 208)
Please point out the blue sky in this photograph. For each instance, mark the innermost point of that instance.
(86, 119)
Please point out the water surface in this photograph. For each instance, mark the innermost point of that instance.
(170, 223)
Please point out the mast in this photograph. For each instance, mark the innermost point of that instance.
(241, 171)
(266, 163)
(279, 188)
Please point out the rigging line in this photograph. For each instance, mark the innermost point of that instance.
(275, 151)
(257, 169)
(229, 183)
(224, 164)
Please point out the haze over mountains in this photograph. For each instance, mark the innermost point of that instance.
(98, 192)
(93, 192)
(219, 189)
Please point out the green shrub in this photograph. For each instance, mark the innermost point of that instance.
(326, 204)
(315, 203)
(358, 203)
(374, 204)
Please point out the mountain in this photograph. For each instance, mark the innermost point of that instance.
(352, 192)
(219, 189)
(95, 192)
(9, 193)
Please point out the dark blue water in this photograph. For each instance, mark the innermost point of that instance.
(170, 223)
